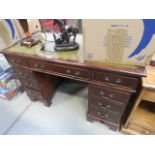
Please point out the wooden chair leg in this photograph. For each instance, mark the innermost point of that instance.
(138, 100)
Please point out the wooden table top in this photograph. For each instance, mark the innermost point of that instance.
(73, 58)
(149, 81)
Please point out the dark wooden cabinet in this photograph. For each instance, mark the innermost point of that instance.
(111, 87)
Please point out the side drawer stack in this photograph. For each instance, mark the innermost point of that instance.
(31, 82)
(107, 102)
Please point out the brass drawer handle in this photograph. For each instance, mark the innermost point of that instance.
(77, 73)
(108, 106)
(68, 71)
(106, 78)
(36, 65)
(101, 93)
(99, 113)
(111, 96)
(99, 103)
(104, 107)
(106, 96)
(39, 65)
(117, 81)
(104, 116)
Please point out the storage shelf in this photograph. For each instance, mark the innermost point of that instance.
(143, 121)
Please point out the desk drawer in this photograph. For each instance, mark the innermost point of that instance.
(34, 94)
(140, 129)
(107, 105)
(16, 60)
(40, 65)
(109, 94)
(23, 73)
(30, 84)
(103, 115)
(115, 80)
(71, 71)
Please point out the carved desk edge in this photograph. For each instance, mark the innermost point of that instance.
(136, 71)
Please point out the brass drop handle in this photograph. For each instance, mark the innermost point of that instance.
(111, 96)
(101, 93)
(105, 116)
(39, 65)
(68, 71)
(99, 113)
(99, 103)
(118, 81)
(104, 107)
(105, 96)
(106, 78)
(77, 73)
(36, 65)
(108, 106)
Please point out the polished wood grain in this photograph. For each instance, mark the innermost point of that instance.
(111, 79)
(107, 105)
(110, 85)
(110, 94)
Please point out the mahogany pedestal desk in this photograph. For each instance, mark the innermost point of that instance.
(111, 87)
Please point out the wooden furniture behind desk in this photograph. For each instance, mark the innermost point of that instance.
(141, 120)
(111, 87)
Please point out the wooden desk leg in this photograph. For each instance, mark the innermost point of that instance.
(47, 103)
(135, 106)
(90, 119)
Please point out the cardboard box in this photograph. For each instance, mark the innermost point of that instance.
(8, 33)
(130, 42)
(33, 26)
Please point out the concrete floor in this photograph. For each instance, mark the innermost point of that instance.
(66, 116)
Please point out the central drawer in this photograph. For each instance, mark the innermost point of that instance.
(71, 71)
(109, 93)
(60, 69)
